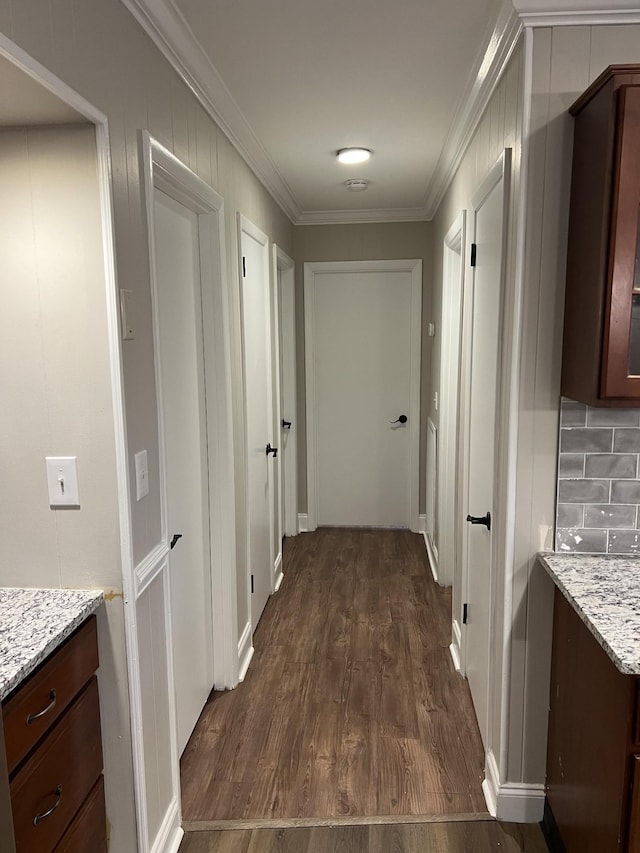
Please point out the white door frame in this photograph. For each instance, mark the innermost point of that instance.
(247, 227)
(323, 267)
(285, 335)
(165, 172)
(500, 171)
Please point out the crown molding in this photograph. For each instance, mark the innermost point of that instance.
(359, 217)
(558, 18)
(170, 32)
(478, 92)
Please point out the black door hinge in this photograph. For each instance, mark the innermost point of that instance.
(474, 250)
(244, 267)
(252, 585)
(465, 613)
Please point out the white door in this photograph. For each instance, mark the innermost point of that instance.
(363, 386)
(256, 332)
(180, 350)
(488, 229)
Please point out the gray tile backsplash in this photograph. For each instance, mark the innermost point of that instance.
(598, 507)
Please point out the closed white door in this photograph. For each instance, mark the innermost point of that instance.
(363, 354)
(256, 328)
(488, 224)
(177, 253)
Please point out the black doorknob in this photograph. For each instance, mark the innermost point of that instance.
(483, 519)
(401, 420)
(272, 450)
(286, 424)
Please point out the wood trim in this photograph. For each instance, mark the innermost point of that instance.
(414, 266)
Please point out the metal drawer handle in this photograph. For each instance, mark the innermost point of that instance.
(40, 817)
(33, 717)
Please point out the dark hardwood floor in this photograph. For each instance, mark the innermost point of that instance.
(351, 706)
(461, 837)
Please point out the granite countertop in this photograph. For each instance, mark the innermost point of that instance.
(604, 590)
(33, 622)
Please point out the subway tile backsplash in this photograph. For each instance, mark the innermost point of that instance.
(598, 480)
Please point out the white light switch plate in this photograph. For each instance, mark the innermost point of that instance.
(62, 480)
(142, 474)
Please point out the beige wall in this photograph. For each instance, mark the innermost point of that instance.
(373, 242)
(98, 49)
(56, 401)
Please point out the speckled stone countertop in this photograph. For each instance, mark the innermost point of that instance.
(604, 590)
(33, 622)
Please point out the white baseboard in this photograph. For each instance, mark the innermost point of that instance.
(456, 645)
(515, 802)
(303, 522)
(170, 833)
(422, 523)
(277, 572)
(245, 651)
(432, 555)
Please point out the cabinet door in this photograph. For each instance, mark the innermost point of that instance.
(621, 350)
(633, 841)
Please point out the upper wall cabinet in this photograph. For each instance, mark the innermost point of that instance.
(601, 349)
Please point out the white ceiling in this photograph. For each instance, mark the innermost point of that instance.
(312, 76)
(291, 81)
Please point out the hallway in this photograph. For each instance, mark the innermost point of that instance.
(351, 706)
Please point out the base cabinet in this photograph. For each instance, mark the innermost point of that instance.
(593, 754)
(53, 744)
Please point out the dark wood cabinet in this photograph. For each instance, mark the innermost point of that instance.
(51, 725)
(593, 753)
(601, 346)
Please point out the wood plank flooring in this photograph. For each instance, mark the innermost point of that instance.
(351, 705)
(460, 837)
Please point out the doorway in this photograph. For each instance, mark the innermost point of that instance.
(362, 346)
(488, 228)
(261, 456)
(196, 569)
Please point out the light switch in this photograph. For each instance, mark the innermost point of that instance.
(142, 474)
(62, 480)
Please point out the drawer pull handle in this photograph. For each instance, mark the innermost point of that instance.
(33, 717)
(40, 817)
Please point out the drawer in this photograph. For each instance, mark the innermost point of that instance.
(58, 776)
(88, 832)
(32, 709)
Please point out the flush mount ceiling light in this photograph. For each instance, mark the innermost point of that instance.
(356, 185)
(353, 155)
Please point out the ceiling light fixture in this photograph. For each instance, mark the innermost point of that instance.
(356, 185)
(353, 155)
